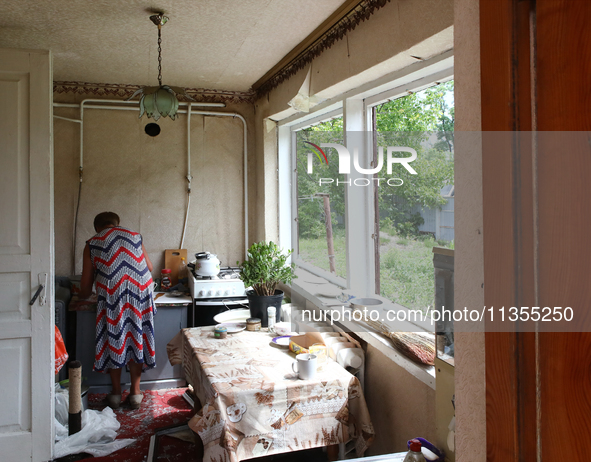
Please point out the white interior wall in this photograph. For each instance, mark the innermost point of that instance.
(143, 180)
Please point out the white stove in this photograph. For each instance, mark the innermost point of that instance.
(213, 295)
(226, 284)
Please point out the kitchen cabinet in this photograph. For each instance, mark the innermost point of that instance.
(168, 321)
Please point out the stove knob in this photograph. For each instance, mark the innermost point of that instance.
(201, 293)
(226, 292)
(218, 293)
(209, 293)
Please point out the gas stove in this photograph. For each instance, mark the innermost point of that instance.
(226, 285)
(214, 295)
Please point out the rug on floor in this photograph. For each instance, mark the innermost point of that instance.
(160, 408)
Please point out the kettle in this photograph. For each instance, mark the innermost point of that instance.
(206, 264)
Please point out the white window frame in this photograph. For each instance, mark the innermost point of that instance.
(356, 106)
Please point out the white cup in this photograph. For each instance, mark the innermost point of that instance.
(305, 366)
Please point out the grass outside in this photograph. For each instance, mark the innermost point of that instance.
(406, 273)
(406, 265)
(315, 252)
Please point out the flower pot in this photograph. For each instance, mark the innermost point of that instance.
(258, 305)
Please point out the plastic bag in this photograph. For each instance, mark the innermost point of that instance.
(62, 401)
(97, 437)
(61, 355)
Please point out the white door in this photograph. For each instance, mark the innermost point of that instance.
(26, 255)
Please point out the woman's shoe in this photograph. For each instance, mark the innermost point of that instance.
(113, 401)
(135, 401)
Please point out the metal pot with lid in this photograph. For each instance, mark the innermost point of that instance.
(206, 264)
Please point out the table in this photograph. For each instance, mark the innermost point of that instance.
(254, 404)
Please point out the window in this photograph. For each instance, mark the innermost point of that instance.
(384, 220)
(416, 216)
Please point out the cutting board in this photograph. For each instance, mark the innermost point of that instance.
(172, 260)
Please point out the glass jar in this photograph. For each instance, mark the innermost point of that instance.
(165, 281)
(253, 324)
(220, 331)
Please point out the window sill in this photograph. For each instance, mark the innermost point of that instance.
(308, 291)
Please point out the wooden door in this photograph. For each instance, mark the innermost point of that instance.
(535, 62)
(26, 257)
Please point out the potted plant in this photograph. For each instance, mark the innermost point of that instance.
(265, 267)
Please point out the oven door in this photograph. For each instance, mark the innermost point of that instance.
(205, 309)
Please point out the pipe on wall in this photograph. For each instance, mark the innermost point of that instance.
(126, 106)
(189, 178)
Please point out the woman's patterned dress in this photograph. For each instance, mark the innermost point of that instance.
(125, 310)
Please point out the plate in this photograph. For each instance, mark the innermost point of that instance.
(234, 327)
(282, 341)
(234, 315)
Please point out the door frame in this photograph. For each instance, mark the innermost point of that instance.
(534, 57)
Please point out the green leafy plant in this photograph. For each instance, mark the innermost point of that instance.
(266, 267)
(411, 226)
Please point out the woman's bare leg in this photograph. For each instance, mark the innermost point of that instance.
(136, 374)
(116, 381)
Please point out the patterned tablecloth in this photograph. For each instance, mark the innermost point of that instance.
(253, 403)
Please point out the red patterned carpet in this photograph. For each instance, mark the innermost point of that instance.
(160, 408)
(163, 408)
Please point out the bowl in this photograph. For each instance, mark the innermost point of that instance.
(365, 302)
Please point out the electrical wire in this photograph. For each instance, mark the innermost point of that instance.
(186, 219)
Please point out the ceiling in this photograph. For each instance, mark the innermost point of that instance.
(212, 44)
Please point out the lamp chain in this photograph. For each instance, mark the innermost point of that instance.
(159, 56)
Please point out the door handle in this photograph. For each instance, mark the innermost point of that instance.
(42, 285)
(36, 295)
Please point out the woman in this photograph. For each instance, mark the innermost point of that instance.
(117, 259)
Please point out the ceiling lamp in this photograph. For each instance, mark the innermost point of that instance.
(160, 101)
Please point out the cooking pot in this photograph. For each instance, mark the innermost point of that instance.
(206, 264)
